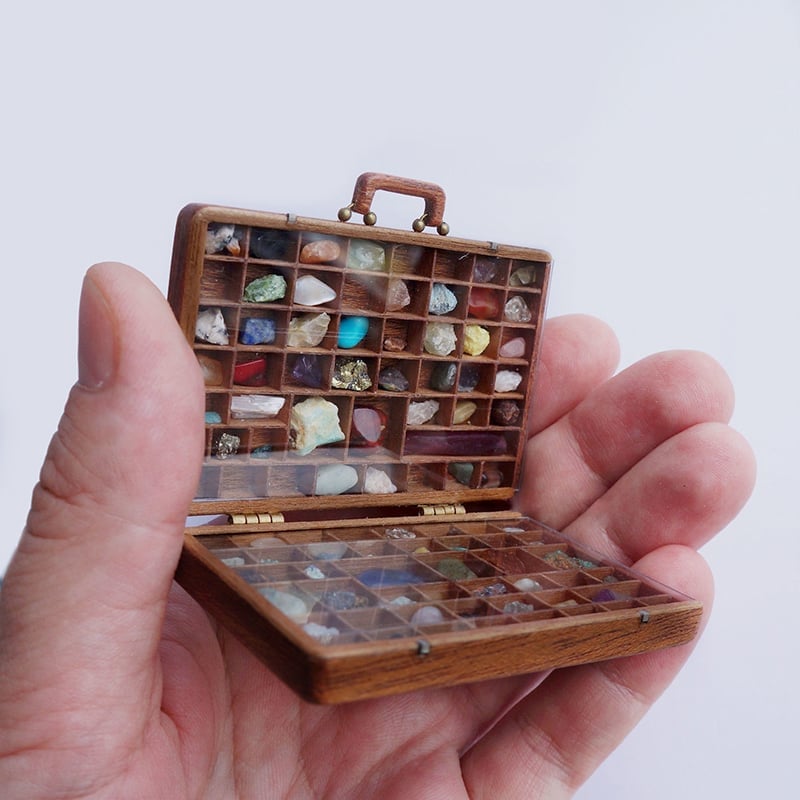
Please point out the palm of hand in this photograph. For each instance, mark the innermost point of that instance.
(126, 689)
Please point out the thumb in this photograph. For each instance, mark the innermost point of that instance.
(84, 596)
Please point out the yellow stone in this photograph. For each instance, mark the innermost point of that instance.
(476, 339)
(463, 411)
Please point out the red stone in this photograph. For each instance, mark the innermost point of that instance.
(369, 426)
(251, 373)
(484, 303)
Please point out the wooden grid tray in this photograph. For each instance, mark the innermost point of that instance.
(331, 579)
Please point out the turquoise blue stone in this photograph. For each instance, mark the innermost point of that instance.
(352, 330)
(212, 418)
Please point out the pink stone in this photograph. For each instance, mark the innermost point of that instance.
(397, 295)
(369, 426)
(321, 252)
(513, 348)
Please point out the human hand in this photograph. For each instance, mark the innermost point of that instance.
(115, 684)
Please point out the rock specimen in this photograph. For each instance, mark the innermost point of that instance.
(400, 533)
(513, 348)
(395, 344)
(376, 481)
(290, 604)
(561, 560)
(255, 406)
(484, 270)
(257, 330)
(262, 451)
(452, 443)
(421, 411)
(335, 479)
(443, 376)
(378, 577)
(392, 380)
(221, 237)
(524, 276)
(272, 244)
(528, 585)
(476, 339)
(517, 607)
(314, 572)
(251, 373)
(440, 338)
(506, 412)
(442, 300)
(227, 445)
(266, 289)
(307, 330)
(516, 310)
(369, 426)
(311, 291)
(427, 615)
(210, 327)
(351, 374)
(321, 633)
(213, 418)
(491, 590)
(463, 411)
(327, 551)
(455, 569)
(211, 369)
(314, 422)
(397, 295)
(461, 471)
(483, 303)
(366, 255)
(507, 380)
(307, 369)
(352, 331)
(468, 378)
(320, 252)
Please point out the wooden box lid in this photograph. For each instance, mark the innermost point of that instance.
(350, 366)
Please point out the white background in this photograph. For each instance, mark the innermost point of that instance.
(651, 146)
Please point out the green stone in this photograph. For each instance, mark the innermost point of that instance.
(461, 471)
(455, 570)
(266, 289)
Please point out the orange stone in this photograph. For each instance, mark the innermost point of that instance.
(321, 252)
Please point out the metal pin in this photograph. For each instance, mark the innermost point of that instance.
(291, 218)
(423, 647)
(644, 616)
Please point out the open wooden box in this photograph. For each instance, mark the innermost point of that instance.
(367, 397)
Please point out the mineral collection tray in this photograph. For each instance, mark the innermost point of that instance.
(357, 378)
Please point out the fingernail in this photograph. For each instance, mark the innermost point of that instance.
(96, 341)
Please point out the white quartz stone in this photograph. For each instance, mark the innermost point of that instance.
(210, 327)
(507, 380)
(311, 291)
(420, 412)
(376, 481)
(255, 406)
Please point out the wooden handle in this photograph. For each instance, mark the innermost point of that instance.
(370, 182)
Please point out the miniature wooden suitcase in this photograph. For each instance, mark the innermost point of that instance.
(367, 397)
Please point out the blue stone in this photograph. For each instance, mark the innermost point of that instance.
(212, 418)
(262, 451)
(388, 577)
(258, 330)
(352, 330)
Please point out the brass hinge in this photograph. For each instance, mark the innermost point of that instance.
(440, 509)
(253, 519)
